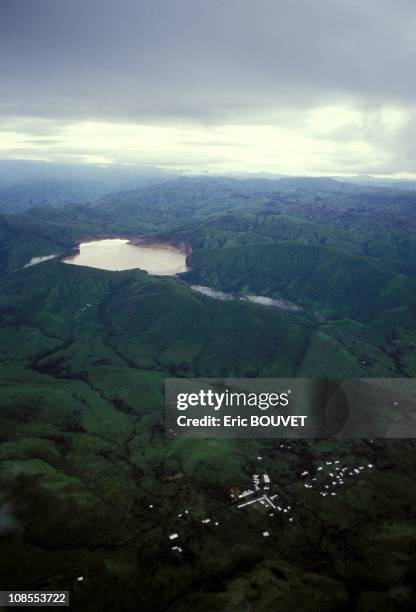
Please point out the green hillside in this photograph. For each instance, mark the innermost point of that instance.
(327, 279)
(90, 485)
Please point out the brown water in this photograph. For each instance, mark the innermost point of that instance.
(120, 254)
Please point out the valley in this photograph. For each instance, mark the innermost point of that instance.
(327, 274)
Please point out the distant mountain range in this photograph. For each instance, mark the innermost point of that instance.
(25, 184)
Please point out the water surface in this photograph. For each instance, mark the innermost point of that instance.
(213, 293)
(37, 260)
(120, 254)
(248, 297)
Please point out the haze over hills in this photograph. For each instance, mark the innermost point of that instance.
(26, 183)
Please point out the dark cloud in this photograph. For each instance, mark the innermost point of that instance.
(210, 60)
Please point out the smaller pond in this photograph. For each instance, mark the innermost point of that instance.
(248, 297)
(37, 260)
(213, 293)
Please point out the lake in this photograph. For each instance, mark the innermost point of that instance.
(121, 254)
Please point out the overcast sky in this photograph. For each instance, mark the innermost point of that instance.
(284, 86)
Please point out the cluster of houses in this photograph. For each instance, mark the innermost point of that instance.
(259, 494)
(325, 479)
(331, 476)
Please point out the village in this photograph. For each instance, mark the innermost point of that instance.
(271, 500)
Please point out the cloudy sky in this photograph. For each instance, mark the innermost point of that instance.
(315, 87)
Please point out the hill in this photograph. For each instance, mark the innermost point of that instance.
(326, 279)
(90, 485)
